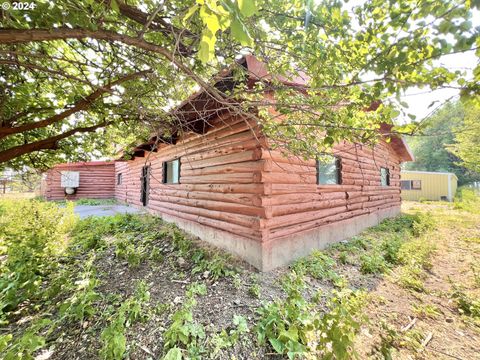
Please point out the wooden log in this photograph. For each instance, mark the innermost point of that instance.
(279, 210)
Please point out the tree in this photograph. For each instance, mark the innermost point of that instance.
(431, 146)
(467, 140)
(89, 77)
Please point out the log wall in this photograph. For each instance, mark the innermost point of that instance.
(295, 203)
(97, 181)
(230, 180)
(220, 179)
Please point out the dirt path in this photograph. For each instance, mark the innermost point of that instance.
(428, 325)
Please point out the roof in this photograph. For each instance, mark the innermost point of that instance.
(428, 172)
(195, 112)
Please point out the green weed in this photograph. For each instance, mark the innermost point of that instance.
(467, 199)
(228, 338)
(132, 310)
(426, 311)
(317, 265)
(183, 330)
(295, 327)
(373, 263)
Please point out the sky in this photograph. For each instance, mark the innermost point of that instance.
(418, 100)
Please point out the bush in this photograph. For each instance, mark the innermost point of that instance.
(468, 200)
(296, 327)
(31, 234)
(318, 265)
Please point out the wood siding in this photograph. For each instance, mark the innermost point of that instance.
(295, 203)
(97, 181)
(220, 179)
(231, 181)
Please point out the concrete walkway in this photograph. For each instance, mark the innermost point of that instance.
(103, 210)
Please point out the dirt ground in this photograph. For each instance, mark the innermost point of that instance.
(396, 328)
(448, 334)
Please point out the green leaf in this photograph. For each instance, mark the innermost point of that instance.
(247, 7)
(190, 13)
(277, 345)
(240, 33)
(115, 6)
(173, 354)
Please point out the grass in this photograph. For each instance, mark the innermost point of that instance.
(467, 199)
(115, 279)
(91, 202)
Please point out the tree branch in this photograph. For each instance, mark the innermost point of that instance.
(21, 36)
(46, 144)
(78, 106)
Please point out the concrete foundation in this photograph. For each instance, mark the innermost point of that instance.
(267, 256)
(281, 252)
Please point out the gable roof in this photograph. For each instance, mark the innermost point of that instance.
(194, 113)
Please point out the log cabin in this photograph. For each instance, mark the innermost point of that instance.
(80, 180)
(221, 181)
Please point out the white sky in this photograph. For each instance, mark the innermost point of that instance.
(418, 100)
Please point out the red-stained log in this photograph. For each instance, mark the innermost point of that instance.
(97, 181)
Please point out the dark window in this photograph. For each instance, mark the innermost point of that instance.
(416, 184)
(385, 176)
(119, 178)
(171, 172)
(405, 184)
(145, 183)
(329, 170)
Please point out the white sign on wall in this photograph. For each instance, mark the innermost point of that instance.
(70, 179)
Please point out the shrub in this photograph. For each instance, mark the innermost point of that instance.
(318, 265)
(31, 234)
(372, 264)
(296, 327)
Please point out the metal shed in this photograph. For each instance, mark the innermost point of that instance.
(427, 185)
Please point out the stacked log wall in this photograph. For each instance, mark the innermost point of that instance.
(219, 179)
(97, 181)
(230, 180)
(295, 203)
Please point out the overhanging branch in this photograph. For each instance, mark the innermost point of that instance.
(46, 144)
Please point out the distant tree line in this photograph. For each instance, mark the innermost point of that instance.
(449, 141)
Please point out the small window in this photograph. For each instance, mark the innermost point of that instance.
(119, 178)
(385, 176)
(329, 170)
(405, 184)
(416, 184)
(171, 172)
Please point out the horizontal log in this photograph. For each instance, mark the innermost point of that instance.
(225, 159)
(315, 223)
(218, 224)
(241, 178)
(279, 210)
(291, 219)
(208, 204)
(282, 199)
(251, 222)
(284, 178)
(238, 198)
(247, 166)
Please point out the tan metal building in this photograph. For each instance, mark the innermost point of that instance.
(418, 185)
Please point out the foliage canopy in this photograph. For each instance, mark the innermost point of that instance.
(89, 77)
